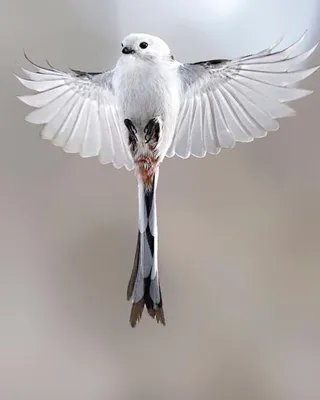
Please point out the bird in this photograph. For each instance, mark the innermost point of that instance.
(151, 106)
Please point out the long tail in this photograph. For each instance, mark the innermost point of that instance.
(144, 286)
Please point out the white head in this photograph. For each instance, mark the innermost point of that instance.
(146, 47)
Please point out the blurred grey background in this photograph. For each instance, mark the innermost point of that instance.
(239, 232)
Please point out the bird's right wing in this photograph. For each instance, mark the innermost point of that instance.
(79, 113)
(229, 101)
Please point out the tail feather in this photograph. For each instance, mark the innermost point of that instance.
(144, 286)
(134, 272)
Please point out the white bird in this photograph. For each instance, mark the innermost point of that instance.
(150, 106)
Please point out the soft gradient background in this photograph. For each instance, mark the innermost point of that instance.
(239, 233)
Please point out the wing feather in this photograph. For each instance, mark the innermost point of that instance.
(107, 153)
(238, 100)
(78, 111)
(53, 127)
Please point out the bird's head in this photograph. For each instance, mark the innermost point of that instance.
(145, 47)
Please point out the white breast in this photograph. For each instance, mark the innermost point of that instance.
(144, 91)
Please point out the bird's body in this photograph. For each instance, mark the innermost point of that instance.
(151, 106)
(147, 88)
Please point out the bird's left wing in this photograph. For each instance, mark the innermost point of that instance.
(228, 101)
(79, 113)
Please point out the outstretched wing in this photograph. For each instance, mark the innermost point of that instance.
(229, 101)
(78, 112)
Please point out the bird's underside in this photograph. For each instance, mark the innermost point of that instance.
(146, 159)
(221, 102)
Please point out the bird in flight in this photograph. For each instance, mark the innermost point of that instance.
(151, 106)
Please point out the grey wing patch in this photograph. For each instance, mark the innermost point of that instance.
(102, 77)
(196, 73)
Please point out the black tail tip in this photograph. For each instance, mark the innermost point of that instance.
(155, 312)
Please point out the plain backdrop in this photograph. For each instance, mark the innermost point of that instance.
(239, 232)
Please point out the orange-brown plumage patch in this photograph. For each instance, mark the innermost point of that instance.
(146, 166)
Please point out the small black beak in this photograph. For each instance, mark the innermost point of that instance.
(126, 50)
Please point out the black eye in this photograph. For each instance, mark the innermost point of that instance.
(121, 44)
(143, 45)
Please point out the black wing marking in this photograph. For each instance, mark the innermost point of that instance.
(84, 73)
(209, 63)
